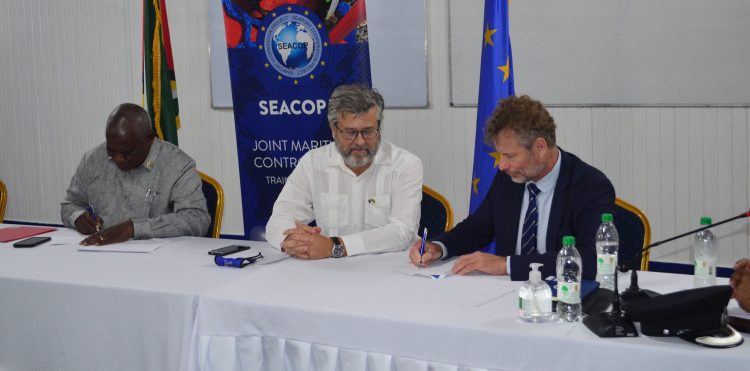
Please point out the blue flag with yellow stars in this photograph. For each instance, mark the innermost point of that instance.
(495, 83)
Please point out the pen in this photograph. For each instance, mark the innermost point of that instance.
(92, 213)
(421, 248)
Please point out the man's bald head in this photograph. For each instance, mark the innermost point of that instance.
(129, 135)
(129, 118)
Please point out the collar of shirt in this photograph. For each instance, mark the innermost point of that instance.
(383, 157)
(547, 183)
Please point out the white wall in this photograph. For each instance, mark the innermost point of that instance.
(64, 66)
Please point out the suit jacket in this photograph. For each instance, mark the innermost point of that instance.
(582, 194)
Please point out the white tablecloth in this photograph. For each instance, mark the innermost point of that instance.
(366, 313)
(62, 309)
(173, 309)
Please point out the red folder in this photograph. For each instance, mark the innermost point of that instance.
(17, 233)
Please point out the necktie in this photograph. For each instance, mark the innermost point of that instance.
(528, 236)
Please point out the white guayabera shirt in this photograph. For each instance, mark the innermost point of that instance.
(377, 211)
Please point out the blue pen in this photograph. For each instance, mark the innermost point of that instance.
(92, 213)
(421, 248)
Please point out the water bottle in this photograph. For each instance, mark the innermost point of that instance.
(607, 244)
(704, 251)
(569, 268)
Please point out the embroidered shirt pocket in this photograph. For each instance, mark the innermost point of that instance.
(377, 210)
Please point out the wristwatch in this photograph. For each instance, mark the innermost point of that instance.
(338, 247)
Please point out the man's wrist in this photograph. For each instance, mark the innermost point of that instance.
(443, 249)
(139, 229)
(75, 215)
(338, 250)
(131, 229)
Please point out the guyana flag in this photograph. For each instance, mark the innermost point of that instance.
(159, 86)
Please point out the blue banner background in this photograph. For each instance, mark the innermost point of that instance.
(268, 145)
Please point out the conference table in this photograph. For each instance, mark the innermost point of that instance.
(174, 309)
(64, 309)
(372, 313)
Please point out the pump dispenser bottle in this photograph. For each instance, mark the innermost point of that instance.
(535, 298)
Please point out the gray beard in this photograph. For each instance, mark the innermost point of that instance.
(354, 161)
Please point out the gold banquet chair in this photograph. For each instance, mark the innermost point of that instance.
(634, 231)
(437, 213)
(3, 200)
(214, 201)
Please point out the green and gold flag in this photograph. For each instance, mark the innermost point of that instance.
(159, 86)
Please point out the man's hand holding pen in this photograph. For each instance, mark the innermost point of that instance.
(87, 223)
(118, 233)
(431, 253)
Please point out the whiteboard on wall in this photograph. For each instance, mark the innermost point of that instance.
(613, 52)
(398, 52)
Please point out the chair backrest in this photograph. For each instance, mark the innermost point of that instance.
(3, 200)
(214, 201)
(634, 230)
(437, 213)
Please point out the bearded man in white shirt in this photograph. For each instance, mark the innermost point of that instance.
(363, 193)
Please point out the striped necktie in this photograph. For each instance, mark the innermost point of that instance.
(528, 236)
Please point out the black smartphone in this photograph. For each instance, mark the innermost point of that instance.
(32, 241)
(226, 250)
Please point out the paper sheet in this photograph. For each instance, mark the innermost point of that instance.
(431, 283)
(436, 270)
(434, 276)
(271, 255)
(67, 239)
(138, 246)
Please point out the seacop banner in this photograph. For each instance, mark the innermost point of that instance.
(285, 60)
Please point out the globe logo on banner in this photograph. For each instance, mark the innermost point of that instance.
(293, 43)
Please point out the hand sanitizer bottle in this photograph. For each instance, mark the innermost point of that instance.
(535, 298)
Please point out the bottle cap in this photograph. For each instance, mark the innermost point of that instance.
(569, 240)
(535, 275)
(606, 217)
(705, 220)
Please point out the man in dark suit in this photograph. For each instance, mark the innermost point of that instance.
(540, 194)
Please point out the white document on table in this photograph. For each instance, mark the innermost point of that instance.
(271, 255)
(433, 272)
(138, 246)
(67, 239)
(430, 283)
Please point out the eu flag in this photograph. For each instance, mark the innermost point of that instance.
(495, 83)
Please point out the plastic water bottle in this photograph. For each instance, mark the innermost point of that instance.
(607, 244)
(569, 267)
(535, 298)
(704, 251)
